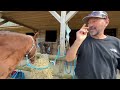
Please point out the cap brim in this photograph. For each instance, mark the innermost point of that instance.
(85, 19)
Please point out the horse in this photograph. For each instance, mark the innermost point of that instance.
(13, 48)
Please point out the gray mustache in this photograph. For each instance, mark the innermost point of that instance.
(91, 28)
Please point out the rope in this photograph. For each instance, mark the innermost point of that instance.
(35, 67)
(28, 60)
(68, 30)
(66, 66)
(73, 76)
(57, 56)
(45, 67)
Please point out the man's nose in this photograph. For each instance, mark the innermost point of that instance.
(90, 24)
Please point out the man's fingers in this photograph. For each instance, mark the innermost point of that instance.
(83, 32)
(84, 27)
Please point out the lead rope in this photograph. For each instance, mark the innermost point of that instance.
(28, 59)
(35, 67)
(45, 67)
(40, 68)
(68, 30)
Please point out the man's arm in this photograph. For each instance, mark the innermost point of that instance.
(80, 37)
(71, 53)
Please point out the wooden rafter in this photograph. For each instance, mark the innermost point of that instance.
(70, 15)
(56, 15)
(8, 19)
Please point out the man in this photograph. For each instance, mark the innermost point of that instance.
(98, 55)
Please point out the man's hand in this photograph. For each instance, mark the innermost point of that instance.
(82, 33)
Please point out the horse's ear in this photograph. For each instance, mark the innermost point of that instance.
(36, 35)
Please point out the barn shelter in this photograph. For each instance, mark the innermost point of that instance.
(52, 25)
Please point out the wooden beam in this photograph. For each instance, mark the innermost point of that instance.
(62, 33)
(56, 15)
(8, 19)
(70, 15)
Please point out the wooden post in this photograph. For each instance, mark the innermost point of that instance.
(63, 19)
(62, 33)
(62, 41)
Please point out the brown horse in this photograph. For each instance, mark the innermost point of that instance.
(13, 48)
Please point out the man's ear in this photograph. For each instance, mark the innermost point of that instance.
(107, 21)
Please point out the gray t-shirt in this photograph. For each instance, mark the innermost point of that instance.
(98, 58)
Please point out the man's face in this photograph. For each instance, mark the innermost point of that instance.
(97, 26)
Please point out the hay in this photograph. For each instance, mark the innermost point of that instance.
(41, 61)
(67, 76)
(25, 68)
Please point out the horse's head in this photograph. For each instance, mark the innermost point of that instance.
(13, 47)
(32, 50)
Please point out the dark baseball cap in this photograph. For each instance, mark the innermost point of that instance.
(99, 14)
